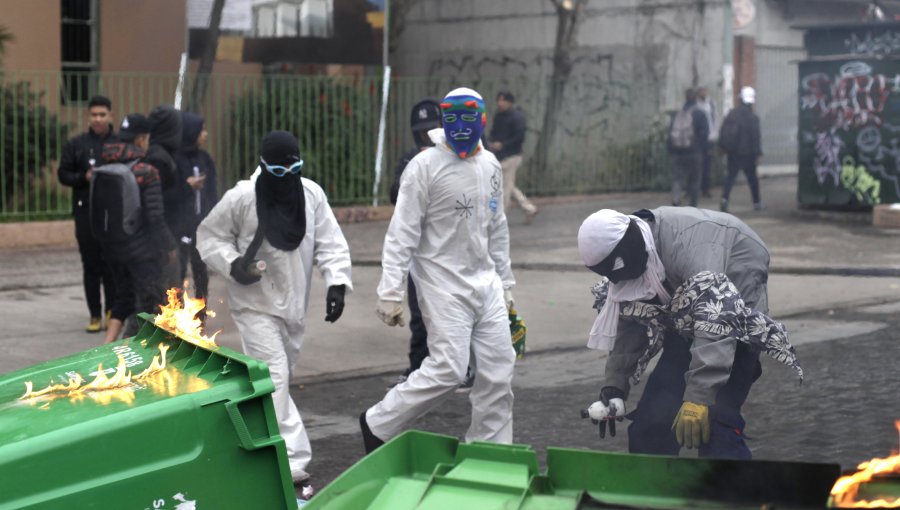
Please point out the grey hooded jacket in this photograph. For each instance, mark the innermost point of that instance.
(690, 241)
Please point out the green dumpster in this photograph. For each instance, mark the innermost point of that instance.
(428, 471)
(199, 434)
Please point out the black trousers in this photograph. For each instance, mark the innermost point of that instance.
(735, 165)
(651, 427)
(418, 342)
(142, 288)
(706, 173)
(97, 271)
(188, 254)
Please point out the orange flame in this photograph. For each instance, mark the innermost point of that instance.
(181, 318)
(102, 388)
(845, 493)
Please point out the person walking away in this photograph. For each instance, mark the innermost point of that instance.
(449, 231)
(708, 107)
(126, 210)
(283, 219)
(191, 197)
(740, 139)
(690, 283)
(425, 116)
(79, 157)
(507, 136)
(688, 134)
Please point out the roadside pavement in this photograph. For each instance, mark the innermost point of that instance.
(845, 327)
(42, 305)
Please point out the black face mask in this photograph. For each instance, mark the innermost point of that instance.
(632, 251)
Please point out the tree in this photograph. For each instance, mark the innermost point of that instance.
(204, 69)
(569, 15)
(6, 37)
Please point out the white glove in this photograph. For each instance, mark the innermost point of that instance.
(598, 411)
(390, 312)
(508, 299)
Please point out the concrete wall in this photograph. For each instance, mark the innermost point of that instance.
(36, 27)
(667, 44)
(142, 36)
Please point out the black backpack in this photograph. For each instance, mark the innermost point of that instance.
(729, 133)
(115, 203)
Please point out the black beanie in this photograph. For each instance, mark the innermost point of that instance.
(280, 148)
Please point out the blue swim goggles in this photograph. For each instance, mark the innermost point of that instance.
(281, 171)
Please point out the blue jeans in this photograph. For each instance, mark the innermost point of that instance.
(651, 428)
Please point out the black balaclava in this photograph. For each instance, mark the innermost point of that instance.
(631, 255)
(280, 201)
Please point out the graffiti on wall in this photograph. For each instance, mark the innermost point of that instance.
(881, 44)
(854, 98)
(846, 124)
(827, 161)
(855, 179)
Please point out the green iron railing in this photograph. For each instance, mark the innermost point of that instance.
(609, 136)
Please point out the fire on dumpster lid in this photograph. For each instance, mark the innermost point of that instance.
(102, 386)
(846, 491)
(181, 318)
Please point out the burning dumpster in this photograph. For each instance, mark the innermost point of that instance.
(154, 421)
(428, 471)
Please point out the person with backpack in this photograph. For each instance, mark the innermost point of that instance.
(79, 156)
(740, 139)
(191, 197)
(264, 237)
(126, 210)
(688, 135)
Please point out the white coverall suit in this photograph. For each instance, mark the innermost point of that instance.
(270, 314)
(449, 231)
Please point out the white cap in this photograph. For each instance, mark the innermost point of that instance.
(463, 91)
(599, 235)
(748, 95)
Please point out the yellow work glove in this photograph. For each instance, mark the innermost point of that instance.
(691, 424)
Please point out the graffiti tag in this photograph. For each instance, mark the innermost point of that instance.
(855, 179)
(854, 98)
(827, 159)
(883, 44)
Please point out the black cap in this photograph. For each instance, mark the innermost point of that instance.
(133, 124)
(280, 148)
(426, 114)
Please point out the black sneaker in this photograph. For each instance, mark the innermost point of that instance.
(723, 206)
(370, 441)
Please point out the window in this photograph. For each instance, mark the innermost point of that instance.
(293, 18)
(79, 49)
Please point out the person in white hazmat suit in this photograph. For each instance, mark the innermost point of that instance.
(279, 218)
(449, 231)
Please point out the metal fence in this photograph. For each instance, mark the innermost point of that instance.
(777, 100)
(610, 135)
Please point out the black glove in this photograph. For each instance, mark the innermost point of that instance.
(334, 302)
(606, 394)
(240, 274)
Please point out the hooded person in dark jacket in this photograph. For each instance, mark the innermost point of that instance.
(740, 139)
(165, 140)
(191, 197)
(140, 258)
